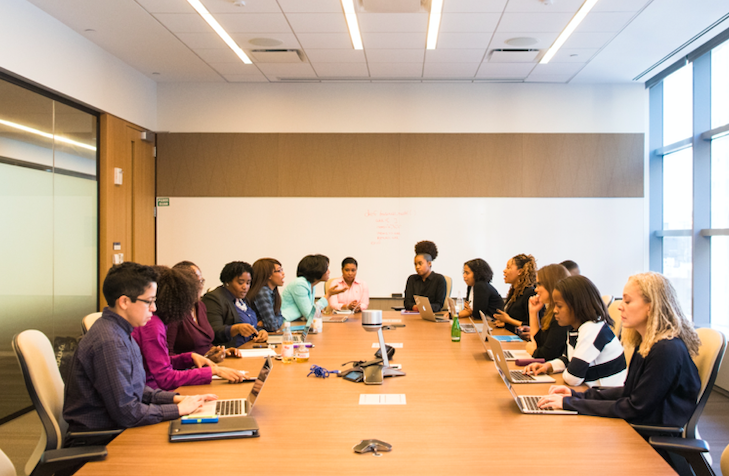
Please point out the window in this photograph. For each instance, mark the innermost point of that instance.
(720, 85)
(677, 106)
(719, 219)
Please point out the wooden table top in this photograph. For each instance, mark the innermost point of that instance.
(459, 419)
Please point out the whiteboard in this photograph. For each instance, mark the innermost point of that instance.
(605, 236)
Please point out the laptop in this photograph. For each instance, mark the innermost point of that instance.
(528, 403)
(514, 376)
(235, 406)
(338, 316)
(298, 339)
(508, 354)
(426, 312)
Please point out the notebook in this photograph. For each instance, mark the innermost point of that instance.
(235, 406)
(508, 354)
(426, 312)
(514, 376)
(225, 428)
(528, 403)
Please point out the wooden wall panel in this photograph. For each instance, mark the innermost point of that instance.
(143, 199)
(400, 165)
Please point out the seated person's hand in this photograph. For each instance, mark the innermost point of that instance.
(524, 332)
(535, 305)
(560, 390)
(200, 361)
(531, 346)
(231, 375)
(551, 401)
(537, 368)
(189, 404)
(501, 315)
(216, 354)
(352, 306)
(339, 288)
(262, 336)
(245, 330)
(233, 352)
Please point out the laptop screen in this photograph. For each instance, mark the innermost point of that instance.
(258, 384)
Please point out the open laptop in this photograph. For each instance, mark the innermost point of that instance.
(426, 312)
(236, 406)
(528, 403)
(508, 354)
(298, 338)
(514, 376)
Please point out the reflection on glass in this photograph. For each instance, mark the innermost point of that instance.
(719, 281)
(677, 267)
(720, 182)
(678, 190)
(720, 85)
(678, 105)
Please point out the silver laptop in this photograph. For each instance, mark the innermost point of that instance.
(508, 354)
(426, 312)
(298, 338)
(514, 376)
(236, 406)
(528, 403)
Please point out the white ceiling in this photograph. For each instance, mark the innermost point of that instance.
(169, 42)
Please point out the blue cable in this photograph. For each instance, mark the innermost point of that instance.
(321, 371)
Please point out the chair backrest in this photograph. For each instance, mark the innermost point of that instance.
(88, 321)
(6, 466)
(449, 285)
(725, 461)
(607, 299)
(711, 353)
(45, 388)
(328, 283)
(614, 313)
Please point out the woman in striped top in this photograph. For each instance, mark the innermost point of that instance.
(594, 355)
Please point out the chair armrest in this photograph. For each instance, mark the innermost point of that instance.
(90, 438)
(650, 430)
(67, 460)
(679, 445)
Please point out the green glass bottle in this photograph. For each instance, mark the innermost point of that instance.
(456, 329)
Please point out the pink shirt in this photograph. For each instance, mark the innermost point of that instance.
(357, 292)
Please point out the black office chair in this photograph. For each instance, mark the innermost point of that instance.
(45, 388)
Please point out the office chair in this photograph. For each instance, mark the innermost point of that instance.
(6, 466)
(614, 313)
(607, 299)
(88, 321)
(711, 352)
(45, 388)
(449, 286)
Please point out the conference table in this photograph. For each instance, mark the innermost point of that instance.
(459, 418)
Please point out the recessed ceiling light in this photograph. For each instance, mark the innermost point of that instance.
(205, 14)
(351, 16)
(571, 26)
(522, 41)
(436, 7)
(265, 42)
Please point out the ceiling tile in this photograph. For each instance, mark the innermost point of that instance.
(557, 68)
(340, 55)
(275, 71)
(575, 55)
(202, 40)
(318, 22)
(544, 40)
(620, 5)
(395, 55)
(250, 22)
(393, 22)
(463, 40)
(183, 22)
(534, 22)
(548, 78)
(325, 40)
(288, 40)
(166, 6)
(341, 70)
(396, 70)
(217, 55)
(504, 70)
(394, 40)
(473, 6)
(310, 6)
(469, 22)
(251, 6)
(450, 70)
(239, 78)
(584, 39)
(605, 21)
(235, 68)
(452, 55)
(538, 6)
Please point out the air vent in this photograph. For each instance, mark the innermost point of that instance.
(513, 56)
(394, 6)
(277, 56)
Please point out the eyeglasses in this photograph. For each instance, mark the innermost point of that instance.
(280, 270)
(150, 303)
(202, 281)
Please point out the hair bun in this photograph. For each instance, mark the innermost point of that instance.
(426, 248)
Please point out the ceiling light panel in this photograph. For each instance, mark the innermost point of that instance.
(469, 22)
(436, 12)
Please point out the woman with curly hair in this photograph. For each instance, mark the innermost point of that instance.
(480, 295)
(177, 291)
(521, 274)
(662, 383)
(548, 337)
(425, 282)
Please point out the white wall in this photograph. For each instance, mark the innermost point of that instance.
(401, 107)
(40, 48)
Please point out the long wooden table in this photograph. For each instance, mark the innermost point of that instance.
(459, 419)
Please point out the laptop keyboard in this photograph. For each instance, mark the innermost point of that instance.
(508, 354)
(530, 402)
(517, 375)
(228, 407)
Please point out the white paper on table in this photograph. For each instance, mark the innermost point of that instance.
(382, 399)
(391, 321)
(394, 345)
(257, 352)
(479, 327)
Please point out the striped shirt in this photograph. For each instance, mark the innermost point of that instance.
(594, 357)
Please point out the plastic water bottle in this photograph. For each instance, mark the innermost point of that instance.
(459, 303)
(318, 323)
(287, 346)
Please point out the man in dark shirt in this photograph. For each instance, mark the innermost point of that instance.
(106, 385)
(425, 283)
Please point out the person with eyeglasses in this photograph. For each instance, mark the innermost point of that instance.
(268, 275)
(105, 387)
(194, 333)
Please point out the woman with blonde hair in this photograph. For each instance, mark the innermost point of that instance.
(549, 338)
(521, 274)
(662, 383)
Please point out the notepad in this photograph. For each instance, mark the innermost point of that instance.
(507, 338)
(257, 352)
(382, 399)
(394, 345)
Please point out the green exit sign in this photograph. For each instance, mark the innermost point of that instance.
(163, 202)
